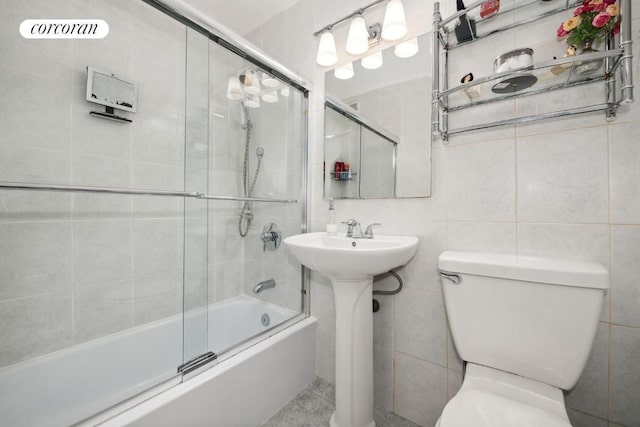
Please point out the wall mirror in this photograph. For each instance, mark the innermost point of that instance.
(377, 128)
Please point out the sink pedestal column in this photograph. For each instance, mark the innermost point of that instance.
(354, 353)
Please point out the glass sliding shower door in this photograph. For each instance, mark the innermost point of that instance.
(257, 139)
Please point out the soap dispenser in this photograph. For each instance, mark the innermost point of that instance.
(332, 226)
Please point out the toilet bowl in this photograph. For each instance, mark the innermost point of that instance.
(492, 398)
(525, 327)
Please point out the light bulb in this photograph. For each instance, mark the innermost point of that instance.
(270, 97)
(406, 49)
(251, 82)
(344, 72)
(372, 61)
(234, 91)
(327, 55)
(268, 80)
(284, 91)
(358, 38)
(395, 24)
(252, 102)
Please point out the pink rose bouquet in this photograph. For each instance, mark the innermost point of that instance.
(590, 21)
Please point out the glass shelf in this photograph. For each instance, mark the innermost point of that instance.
(545, 76)
(509, 17)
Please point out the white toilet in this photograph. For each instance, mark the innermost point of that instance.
(525, 327)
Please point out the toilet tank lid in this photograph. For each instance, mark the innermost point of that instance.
(585, 274)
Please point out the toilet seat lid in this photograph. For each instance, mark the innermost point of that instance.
(481, 409)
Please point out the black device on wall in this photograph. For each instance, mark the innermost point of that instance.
(112, 92)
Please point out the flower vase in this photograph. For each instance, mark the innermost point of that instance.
(586, 68)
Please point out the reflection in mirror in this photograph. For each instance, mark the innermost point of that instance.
(359, 158)
(395, 97)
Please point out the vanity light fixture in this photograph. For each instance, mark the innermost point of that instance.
(270, 97)
(327, 55)
(395, 24)
(358, 38)
(372, 61)
(362, 37)
(407, 48)
(344, 72)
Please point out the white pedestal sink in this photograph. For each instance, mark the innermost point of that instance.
(351, 265)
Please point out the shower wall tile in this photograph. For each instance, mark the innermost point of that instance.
(625, 376)
(34, 326)
(157, 246)
(97, 171)
(35, 258)
(101, 206)
(157, 296)
(159, 137)
(102, 310)
(625, 175)
(101, 252)
(34, 165)
(95, 136)
(625, 271)
(420, 389)
(226, 280)
(420, 325)
(562, 177)
(28, 206)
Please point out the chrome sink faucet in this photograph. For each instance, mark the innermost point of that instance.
(355, 231)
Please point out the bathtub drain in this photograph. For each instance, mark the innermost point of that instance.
(265, 319)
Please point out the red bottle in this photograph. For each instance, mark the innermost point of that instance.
(489, 8)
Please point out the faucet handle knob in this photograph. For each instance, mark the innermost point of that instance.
(351, 222)
(368, 232)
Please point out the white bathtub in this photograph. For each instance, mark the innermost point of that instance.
(65, 387)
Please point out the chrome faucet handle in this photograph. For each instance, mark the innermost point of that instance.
(353, 226)
(368, 232)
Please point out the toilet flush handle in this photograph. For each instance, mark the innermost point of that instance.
(450, 276)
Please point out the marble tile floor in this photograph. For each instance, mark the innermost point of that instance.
(313, 406)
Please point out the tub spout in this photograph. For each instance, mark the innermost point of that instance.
(265, 284)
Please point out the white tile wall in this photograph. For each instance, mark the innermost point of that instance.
(566, 187)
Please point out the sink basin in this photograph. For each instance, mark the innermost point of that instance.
(351, 265)
(347, 258)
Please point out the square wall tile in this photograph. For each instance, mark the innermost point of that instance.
(157, 296)
(590, 395)
(102, 310)
(420, 389)
(326, 354)
(481, 182)
(494, 237)
(625, 275)
(101, 252)
(34, 326)
(383, 378)
(625, 376)
(420, 326)
(35, 258)
(625, 174)
(562, 177)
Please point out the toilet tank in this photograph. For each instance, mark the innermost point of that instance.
(535, 317)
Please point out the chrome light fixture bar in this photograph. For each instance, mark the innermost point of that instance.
(362, 37)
